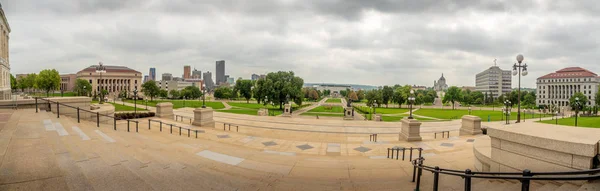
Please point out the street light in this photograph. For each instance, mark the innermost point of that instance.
(577, 105)
(522, 70)
(556, 118)
(203, 97)
(507, 104)
(411, 99)
(101, 69)
(135, 91)
(469, 110)
(183, 101)
(374, 107)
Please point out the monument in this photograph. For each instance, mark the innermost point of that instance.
(410, 131)
(287, 108)
(439, 87)
(164, 110)
(203, 117)
(349, 111)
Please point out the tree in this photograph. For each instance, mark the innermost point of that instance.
(163, 93)
(79, 87)
(13, 82)
(223, 93)
(582, 100)
(352, 96)
(373, 96)
(174, 94)
(48, 80)
(150, 88)
(360, 94)
(313, 95)
(326, 92)
(399, 96)
(597, 97)
(477, 97)
(285, 84)
(386, 95)
(191, 92)
(529, 100)
(452, 95)
(31, 81)
(244, 88)
(344, 92)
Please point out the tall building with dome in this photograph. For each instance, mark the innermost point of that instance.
(440, 85)
(5, 90)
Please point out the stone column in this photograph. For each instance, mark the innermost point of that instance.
(164, 110)
(348, 113)
(411, 130)
(377, 117)
(203, 117)
(287, 110)
(471, 125)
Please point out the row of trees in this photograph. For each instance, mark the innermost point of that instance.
(47, 80)
(152, 90)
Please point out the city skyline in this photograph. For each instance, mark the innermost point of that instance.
(364, 43)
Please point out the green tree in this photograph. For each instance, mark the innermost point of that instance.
(262, 88)
(452, 95)
(244, 88)
(191, 92)
(582, 100)
(400, 96)
(163, 93)
(150, 89)
(13, 82)
(352, 96)
(477, 97)
(174, 94)
(313, 95)
(387, 94)
(465, 97)
(326, 92)
(22, 83)
(223, 93)
(48, 80)
(82, 87)
(373, 96)
(360, 94)
(32, 82)
(529, 100)
(285, 84)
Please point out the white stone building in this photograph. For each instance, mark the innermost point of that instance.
(494, 81)
(440, 85)
(5, 91)
(558, 87)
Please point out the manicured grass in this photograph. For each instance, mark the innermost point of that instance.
(334, 109)
(256, 105)
(180, 103)
(593, 122)
(457, 114)
(120, 107)
(241, 111)
(323, 114)
(333, 100)
(65, 94)
(381, 110)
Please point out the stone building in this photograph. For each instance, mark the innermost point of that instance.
(67, 82)
(187, 72)
(558, 87)
(115, 80)
(167, 77)
(440, 85)
(494, 81)
(5, 91)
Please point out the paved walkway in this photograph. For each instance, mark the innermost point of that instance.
(314, 105)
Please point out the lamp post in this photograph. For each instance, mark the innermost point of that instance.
(203, 97)
(522, 70)
(556, 118)
(101, 69)
(503, 112)
(84, 90)
(577, 105)
(183, 101)
(135, 91)
(146, 100)
(375, 103)
(411, 100)
(469, 110)
(507, 104)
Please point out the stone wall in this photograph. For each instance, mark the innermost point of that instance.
(541, 147)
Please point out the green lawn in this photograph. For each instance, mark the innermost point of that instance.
(256, 105)
(593, 122)
(334, 109)
(252, 108)
(65, 94)
(120, 107)
(382, 110)
(400, 117)
(457, 114)
(334, 100)
(181, 103)
(241, 111)
(323, 114)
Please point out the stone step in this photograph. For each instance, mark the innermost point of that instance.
(548, 187)
(589, 186)
(567, 187)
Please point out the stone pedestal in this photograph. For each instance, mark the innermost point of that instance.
(411, 130)
(287, 110)
(263, 112)
(348, 113)
(164, 110)
(203, 117)
(377, 117)
(471, 125)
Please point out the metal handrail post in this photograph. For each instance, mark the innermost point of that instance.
(36, 105)
(468, 180)
(98, 119)
(525, 182)
(78, 120)
(436, 178)
(57, 110)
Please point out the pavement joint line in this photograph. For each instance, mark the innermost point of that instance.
(19, 182)
(105, 137)
(222, 158)
(60, 129)
(83, 136)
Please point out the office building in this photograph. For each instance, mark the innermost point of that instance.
(187, 72)
(197, 83)
(114, 80)
(494, 81)
(174, 85)
(152, 74)
(220, 72)
(196, 74)
(178, 79)
(167, 77)
(208, 82)
(5, 90)
(67, 82)
(255, 77)
(558, 87)
(145, 78)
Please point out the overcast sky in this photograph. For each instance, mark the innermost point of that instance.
(374, 42)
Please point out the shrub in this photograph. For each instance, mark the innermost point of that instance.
(134, 115)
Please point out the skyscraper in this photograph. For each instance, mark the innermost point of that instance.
(145, 78)
(196, 74)
(152, 75)
(167, 77)
(494, 81)
(187, 70)
(220, 73)
(208, 82)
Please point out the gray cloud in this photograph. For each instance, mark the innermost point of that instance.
(377, 42)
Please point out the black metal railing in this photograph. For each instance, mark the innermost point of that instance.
(237, 127)
(181, 118)
(171, 125)
(443, 133)
(524, 177)
(373, 137)
(79, 110)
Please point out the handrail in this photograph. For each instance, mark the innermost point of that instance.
(89, 111)
(171, 125)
